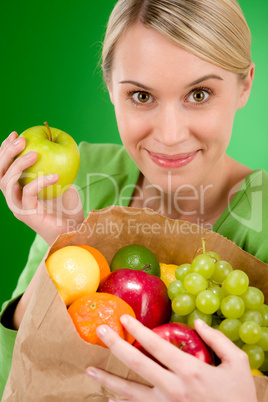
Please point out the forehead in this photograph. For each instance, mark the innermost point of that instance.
(146, 54)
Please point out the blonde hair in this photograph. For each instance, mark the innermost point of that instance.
(214, 30)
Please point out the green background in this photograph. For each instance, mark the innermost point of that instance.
(49, 72)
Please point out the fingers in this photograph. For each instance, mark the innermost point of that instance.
(16, 168)
(31, 190)
(11, 170)
(130, 390)
(10, 148)
(12, 136)
(132, 357)
(162, 350)
(193, 382)
(224, 348)
(25, 203)
(9, 182)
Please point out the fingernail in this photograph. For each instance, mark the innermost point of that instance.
(91, 372)
(29, 155)
(51, 177)
(11, 134)
(101, 331)
(124, 319)
(201, 323)
(17, 141)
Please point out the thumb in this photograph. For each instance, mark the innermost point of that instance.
(224, 348)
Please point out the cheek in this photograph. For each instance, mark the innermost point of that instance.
(217, 126)
(132, 128)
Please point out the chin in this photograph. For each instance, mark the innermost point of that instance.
(173, 182)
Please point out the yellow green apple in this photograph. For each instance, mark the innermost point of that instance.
(57, 152)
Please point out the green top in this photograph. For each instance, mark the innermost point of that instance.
(107, 176)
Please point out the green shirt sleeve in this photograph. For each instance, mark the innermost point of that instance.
(245, 220)
(8, 336)
(7, 341)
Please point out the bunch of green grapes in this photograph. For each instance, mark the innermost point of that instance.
(209, 288)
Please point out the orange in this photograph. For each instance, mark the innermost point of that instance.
(101, 260)
(167, 273)
(96, 309)
(74, 271)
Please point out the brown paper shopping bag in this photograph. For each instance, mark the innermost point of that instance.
(50, 358)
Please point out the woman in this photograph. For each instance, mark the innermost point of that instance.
(177, 71)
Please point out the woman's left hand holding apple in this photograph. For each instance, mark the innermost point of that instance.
(48, 218)
(57, 216)
(186, 378)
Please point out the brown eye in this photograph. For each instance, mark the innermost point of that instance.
(199, 96)
(143, 97)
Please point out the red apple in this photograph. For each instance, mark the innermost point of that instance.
(185, 338)
(145, 293)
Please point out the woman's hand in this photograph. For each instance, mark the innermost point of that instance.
(187, 378)
(48, 218)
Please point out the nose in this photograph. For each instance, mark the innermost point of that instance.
(171, 125)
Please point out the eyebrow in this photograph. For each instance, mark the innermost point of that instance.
(204, 78)
(137, 84)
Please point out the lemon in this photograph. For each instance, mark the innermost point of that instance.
(136, 257)
(74, 271)
(168, 273)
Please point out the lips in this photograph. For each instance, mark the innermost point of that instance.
(172, 161)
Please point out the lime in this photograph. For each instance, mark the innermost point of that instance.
(137, 257)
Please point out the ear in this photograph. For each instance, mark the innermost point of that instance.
(109, 86)
(246, 86)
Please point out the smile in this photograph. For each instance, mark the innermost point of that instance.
(172, 161)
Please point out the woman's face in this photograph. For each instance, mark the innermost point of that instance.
(174, 110)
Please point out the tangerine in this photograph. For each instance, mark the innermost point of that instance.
(74, 271)
(167, 273)
(101, 260)
(98, 308)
